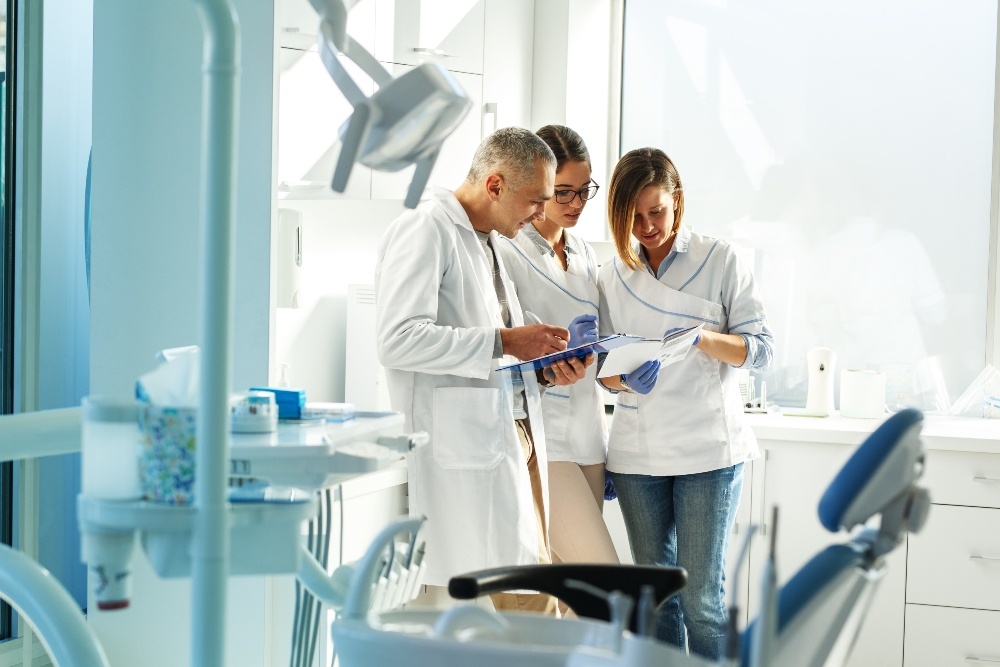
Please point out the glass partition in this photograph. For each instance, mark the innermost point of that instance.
(7, 15)
(848, 149)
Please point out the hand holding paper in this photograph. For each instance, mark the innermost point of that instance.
(643, 379)
(673, 347)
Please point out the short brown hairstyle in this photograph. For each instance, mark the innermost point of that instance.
(637, 170)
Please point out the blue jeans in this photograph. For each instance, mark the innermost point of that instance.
(685, 521)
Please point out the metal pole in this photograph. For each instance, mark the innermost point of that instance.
(210, 547)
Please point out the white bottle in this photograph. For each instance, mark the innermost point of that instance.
(822, 362)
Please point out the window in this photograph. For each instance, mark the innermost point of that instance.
(849, 149)
(6, 282)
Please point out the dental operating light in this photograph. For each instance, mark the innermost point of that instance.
(404, 122)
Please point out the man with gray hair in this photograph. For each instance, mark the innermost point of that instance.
(447, 317)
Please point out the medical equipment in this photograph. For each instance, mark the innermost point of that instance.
(463, 635)
(661, 582)
(809, 621)
(404, 122)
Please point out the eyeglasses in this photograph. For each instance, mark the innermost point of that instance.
(567, 196)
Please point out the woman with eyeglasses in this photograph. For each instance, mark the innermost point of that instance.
(555, 273)
(677, 445)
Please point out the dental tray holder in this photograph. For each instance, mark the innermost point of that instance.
(264, 536)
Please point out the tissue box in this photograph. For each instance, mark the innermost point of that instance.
(167, 455)
(290, 401)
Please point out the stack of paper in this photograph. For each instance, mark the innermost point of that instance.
(669, 350)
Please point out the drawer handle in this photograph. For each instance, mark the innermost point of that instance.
(423, 50)
(973, 660)
(987, 559)
(988, 480)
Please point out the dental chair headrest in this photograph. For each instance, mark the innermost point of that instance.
(881, 472)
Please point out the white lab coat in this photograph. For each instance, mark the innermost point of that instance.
(574, 415)
(436, 320)
(692, 421)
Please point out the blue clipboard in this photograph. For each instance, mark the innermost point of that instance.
(605, 344)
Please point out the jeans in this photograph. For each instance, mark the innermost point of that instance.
(685, 521)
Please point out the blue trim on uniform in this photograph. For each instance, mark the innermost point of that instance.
(554, 395)
(627, 407)
(660, 310)
(710, 251)
(737, 326)
(542, 273)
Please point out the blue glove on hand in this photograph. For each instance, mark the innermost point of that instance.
(642, 379)
(670, 331)
(582, 330)
(609, 486)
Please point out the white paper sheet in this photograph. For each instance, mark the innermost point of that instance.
(670, 350)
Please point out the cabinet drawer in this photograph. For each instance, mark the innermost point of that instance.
(955, 560)
(963, 478)
(939, 636)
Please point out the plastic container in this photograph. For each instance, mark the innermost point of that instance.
(253, 412)
(109, 449)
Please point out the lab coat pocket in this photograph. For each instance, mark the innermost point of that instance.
(468, 431)
(625, 423)
(556, 413)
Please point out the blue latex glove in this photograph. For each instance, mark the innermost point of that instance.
(642, 379)
(670, 331)
(609, 486)
(582, 330)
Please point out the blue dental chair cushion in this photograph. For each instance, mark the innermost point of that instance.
(810, 581)
(862, 465)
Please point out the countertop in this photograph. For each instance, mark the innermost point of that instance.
(965, 434)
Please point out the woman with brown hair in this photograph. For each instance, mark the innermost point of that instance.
(555, 273)
(676, 451)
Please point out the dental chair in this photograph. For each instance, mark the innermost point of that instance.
(815, 617)
(819, 611)
(810, 621)
(574, 584)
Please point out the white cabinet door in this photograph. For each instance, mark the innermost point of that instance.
(311, 110)
(456, 154)
(794, 476)
(409, 32)
(955, 560)
(298, 24)
(937, 636)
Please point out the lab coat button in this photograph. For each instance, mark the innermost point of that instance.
(718, 411)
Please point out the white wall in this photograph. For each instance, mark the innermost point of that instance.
(340, 247)
(571, 85)
(146, 212)
(342, 235)
(145, 258)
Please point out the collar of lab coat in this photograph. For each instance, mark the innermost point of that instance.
(544, 247)
(454, 208)
(681, 244)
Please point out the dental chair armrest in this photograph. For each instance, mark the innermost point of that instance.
(551, 579)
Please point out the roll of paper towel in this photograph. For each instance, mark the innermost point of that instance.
(862, 394)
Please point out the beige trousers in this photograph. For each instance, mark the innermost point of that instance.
(577, 530)
(535, 602)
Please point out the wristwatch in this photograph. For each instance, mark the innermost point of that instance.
(621, 378)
